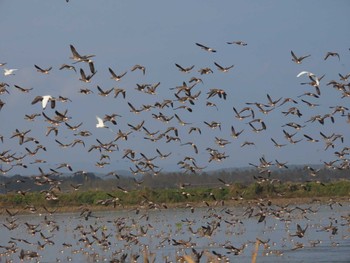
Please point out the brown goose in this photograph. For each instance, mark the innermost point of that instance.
(86, 78)
(115, 76)
(223, 69)
(239, 43)
(298, 60)
(23, 89)
(184, 70)
(332, 54)
(41, 70)
(66, 66)
(78, 58)
(209, 49)
(139, 67)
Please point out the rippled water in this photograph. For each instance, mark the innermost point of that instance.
(158, 232)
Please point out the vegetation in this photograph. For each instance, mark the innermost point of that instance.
(194, 195)
(168, 189)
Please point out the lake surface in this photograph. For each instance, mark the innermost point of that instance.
(169, 234)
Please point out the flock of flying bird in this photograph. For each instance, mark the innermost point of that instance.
(184, 99)
(215, 234)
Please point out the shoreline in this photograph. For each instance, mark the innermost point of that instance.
(180, 205)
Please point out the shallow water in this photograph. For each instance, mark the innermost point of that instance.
(158, 231)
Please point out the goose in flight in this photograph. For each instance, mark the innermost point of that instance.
(41, 70)
(181, 121)
(235, 134)
(184, 70)
(118, 91)
(300, 232)
(311, 75)
(278, 145)
(3, 89)
(115, 76)
(209, 49)
(221, 142)
(85, 78)
(73, 127)
(23, 89)
(311, 105)
(31, 117)
(213, 124)
(195, 80)
(239, 43)
(272, 103)
(111, 118)
(205, 71)
(70, 67)
(193, 145)
(140, 67)
(2, 105)
(296, 59)
(104, 93)
(137, 127)
(85, 91)
(78, 58)
(221, 93)
(211, 104)
(223, 69)
(345, 77)
(44, 100)
(8, 72)
(162, 155)
(263, 125)
(332, 54)
(310, 139)
(133, 109)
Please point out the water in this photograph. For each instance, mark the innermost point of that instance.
(165, 235)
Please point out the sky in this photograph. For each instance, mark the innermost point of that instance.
(158, 34)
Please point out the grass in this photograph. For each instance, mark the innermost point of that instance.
(172, 196)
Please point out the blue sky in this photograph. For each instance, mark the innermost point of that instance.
(158, 34)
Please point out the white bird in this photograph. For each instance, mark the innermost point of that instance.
(306, 72)
(8, 72)
(44, 100)
(310, 75)
(100, 123)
